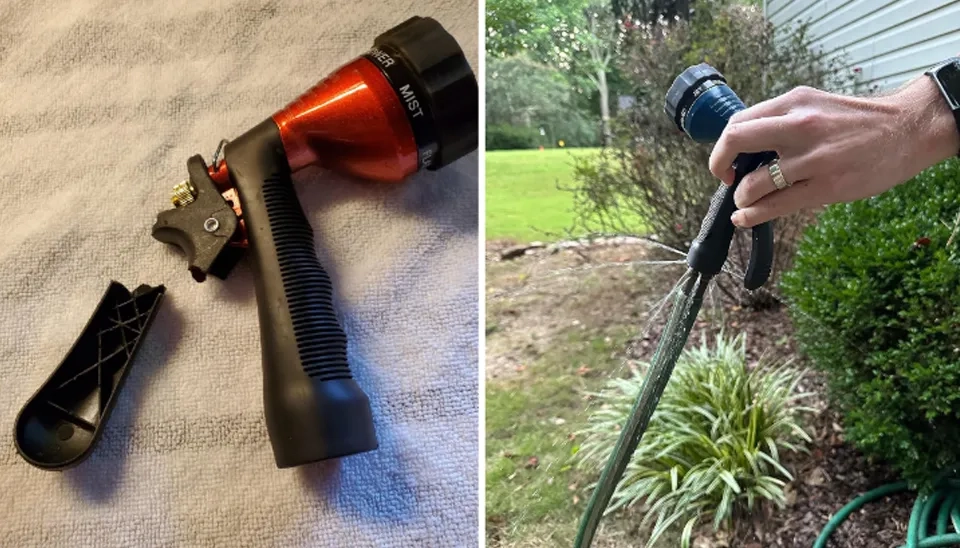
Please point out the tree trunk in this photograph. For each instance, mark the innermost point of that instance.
(604, 105)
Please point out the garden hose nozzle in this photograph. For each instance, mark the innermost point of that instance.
(701, 103)
(407, 104)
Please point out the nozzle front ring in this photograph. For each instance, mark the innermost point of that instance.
(441, 100)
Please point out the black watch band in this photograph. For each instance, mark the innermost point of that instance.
(947, 77)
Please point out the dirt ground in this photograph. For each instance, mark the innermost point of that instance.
(532, 299)
(537, 297)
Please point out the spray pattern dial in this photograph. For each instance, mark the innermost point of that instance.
(701, 103)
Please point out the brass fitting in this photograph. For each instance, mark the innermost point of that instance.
(183, 194)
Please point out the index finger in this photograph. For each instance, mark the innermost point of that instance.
(778, 106)
(750, 136)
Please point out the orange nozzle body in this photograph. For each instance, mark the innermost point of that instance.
(351, 122)
(407, 104)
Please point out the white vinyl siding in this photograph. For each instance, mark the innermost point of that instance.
(890, 41)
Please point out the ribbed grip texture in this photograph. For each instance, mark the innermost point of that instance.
(320, 339)
(726, 105)
(313, 408)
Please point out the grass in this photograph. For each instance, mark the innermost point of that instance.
(522, 199)
(555, 336)
(534, 494)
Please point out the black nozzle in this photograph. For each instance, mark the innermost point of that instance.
(313, 407)
(431, 76)
(685, 89)
(700, 103)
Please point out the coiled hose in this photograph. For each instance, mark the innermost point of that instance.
(944, 503)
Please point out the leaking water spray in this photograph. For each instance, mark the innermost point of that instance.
(701, 104)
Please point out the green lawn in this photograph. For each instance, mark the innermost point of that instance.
(535, 491)
(547, 352)
(523, 201)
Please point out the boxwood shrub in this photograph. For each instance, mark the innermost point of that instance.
(504, 137)
(875, 297)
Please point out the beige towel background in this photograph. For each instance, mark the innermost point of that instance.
(101, 104)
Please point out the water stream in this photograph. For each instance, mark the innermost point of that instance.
(674, 337)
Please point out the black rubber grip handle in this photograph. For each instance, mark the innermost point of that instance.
(314, 408)
(710, 248)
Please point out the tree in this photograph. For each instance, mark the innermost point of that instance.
(584, 42)
(520, 91)
(510, 25)
(649, 11)
(577, 37)
(523, 93)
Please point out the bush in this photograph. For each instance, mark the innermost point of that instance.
(511, 137)
(529, 104)
(875, 296)
(654, 172)
(713, 445)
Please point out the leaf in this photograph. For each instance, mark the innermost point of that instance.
(728, 478)
(688, 532)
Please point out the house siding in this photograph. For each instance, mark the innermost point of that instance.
(890, 42)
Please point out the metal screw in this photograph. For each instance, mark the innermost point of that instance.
(211, 225)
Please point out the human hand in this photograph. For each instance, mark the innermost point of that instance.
(834, 148)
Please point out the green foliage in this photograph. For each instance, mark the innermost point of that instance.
(506, 137)
(577, 38)
(649, 11)
(875, 300)
(509, 24)
(714, 443)
(552, 32)
(537, 102)
(654, 172)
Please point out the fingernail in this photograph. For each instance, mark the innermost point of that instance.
(729, 176)
(737, 218)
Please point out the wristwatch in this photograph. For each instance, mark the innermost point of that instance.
(947, 77)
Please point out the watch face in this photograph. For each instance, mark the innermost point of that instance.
(949, 77)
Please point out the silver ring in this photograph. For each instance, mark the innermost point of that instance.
(776, 174)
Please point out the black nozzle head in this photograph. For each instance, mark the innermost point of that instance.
(442, 101)
(681, 94)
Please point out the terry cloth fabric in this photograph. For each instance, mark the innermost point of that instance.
(101, 104)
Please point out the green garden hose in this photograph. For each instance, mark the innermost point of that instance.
(674, 337)
(937, 511)
(944, 503)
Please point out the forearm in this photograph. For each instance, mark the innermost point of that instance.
(925, 115)
(834, 148)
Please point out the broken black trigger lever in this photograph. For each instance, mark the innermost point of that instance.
(201, 224)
